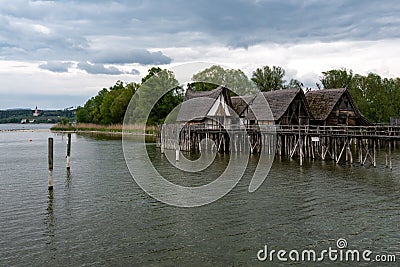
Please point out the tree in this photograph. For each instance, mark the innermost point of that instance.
(108, 106)
(82, 115)
(150, 73)
(94, 104)
(157, 82)
(337, 78)
(267, 79)
(294, 83)
(210, 78)
(121, 102)
(239, 82)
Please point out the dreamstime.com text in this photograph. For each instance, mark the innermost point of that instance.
(340, 253)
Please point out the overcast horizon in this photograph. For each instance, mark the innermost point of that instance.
(57, 54)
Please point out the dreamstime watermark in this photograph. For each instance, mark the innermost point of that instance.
(140, 165)
(340, 253)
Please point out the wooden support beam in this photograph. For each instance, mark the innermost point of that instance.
(390, 154)
(341, 152)
(374, 156)
(294, 149)
(349, 151)
(301, 150)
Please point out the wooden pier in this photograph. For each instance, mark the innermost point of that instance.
(339, 143)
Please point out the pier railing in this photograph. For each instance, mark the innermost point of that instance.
(392, 132)
(378, 131)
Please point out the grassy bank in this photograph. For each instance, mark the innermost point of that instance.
(114, 128)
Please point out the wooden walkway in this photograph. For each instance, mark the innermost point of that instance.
(339, 143)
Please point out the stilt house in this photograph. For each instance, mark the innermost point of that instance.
(208, 109)
(334, 107)
(287, 107)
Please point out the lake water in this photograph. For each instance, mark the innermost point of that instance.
(99, 216)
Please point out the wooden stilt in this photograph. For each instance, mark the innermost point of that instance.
(50, 161)
(341, 153)
(68, 164)
(349, 151)
(374, 156)
(301, 150)
(390, 154)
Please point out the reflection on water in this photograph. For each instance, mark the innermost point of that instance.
(50, 228)
(50, 220)
(99, 216)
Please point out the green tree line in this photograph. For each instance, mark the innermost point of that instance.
(109, 105)
(377, 98)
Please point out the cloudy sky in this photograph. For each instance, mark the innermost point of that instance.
(56, 54)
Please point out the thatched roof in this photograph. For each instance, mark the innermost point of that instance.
(322, 102)
(198, 109)
(278, 100)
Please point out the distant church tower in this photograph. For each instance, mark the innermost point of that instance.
(36, 113)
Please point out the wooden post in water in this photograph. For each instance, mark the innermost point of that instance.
(69, 155)
(390, 154)
(177, 146)
(301, 150)
(162, 137)
(374, 156)
(349, 151)
(323, 148)
(50, 160)
(361, 152)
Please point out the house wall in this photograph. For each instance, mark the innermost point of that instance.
(296, 114)
(217, 122)
(217, 116)
(342, 114)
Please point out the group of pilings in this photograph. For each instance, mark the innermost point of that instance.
(50, 156)
(224, 141)
(362, 150)
(325, 145)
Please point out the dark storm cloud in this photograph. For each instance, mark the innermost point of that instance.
(121, 32)
(98, 69)
(56, 66)
(140, 56)
(134, 72)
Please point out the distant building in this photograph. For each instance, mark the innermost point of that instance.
(395, 121)
(36, 113)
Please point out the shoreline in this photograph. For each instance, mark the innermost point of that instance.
(102, 132)
(25, 130)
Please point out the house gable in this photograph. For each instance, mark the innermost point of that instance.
(219, 108)
(199, 105)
